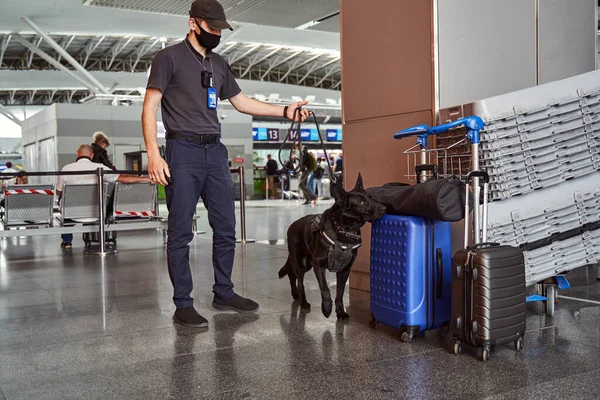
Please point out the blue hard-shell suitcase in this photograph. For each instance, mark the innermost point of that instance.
(411, 274)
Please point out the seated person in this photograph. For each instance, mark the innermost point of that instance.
(84, 163)
(20, 179)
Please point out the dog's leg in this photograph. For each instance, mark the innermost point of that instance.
(305, 305)
(289, 270)
(326, 303)
(295, 294)
(342, 278)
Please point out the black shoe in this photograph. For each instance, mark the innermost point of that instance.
(235, 303)
(66, 245)
(188, 316)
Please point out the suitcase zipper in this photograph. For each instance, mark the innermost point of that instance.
(427, 274)
(433, 266)
(469, 297)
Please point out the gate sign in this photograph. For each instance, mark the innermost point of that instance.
(294, 136)
(238, 160)
(273, 135)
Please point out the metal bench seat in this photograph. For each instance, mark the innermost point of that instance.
(132, 202)
(79, 204)
(28, 205)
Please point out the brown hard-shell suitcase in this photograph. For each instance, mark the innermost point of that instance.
(488, 291)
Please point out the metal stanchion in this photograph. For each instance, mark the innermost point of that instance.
(267, 185)
(243, 240)
(101, 228)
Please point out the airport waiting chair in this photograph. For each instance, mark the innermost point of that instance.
(28, 205)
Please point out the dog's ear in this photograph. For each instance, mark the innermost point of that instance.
(338, 193)
(359, 184)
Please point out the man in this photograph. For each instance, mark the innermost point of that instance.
(272, 172)
(317, 176)
(338, 167)
(308, 166)
(8, 170)
(187, 79)
(99, 145)
(84, 163)
(20, 179)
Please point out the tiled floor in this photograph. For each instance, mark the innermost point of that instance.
(80, 327)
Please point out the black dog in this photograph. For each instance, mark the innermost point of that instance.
(329, 241)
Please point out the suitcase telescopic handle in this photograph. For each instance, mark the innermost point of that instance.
(426, 167)
(486, 183)
(478, 174)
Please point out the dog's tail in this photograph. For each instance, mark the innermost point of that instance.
(285, 270)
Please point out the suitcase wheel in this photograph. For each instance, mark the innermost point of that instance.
(551, 295)
(457, 347)
(406, 337)
(373, 322)
(485, 355)
(519, 344)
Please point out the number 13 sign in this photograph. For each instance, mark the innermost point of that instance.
(273, 135)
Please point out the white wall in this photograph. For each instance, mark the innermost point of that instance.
(39, 143)
(488, 47)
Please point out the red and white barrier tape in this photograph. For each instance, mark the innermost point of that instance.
(13, 192)
(136, 213)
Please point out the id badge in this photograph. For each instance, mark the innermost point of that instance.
(212, 98)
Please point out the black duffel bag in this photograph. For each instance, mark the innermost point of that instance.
(437, 199)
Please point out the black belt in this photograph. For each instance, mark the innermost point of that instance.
(198, 139)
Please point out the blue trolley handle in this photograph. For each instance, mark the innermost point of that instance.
(474, 124)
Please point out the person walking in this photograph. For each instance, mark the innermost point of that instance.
(187, 80)
(308, 166)
(272, 170)
(317, 176)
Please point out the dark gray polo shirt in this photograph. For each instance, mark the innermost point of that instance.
(176, 72)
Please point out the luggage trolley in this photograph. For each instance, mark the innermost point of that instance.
(453, 158)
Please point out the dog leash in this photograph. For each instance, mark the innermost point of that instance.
(296, 144)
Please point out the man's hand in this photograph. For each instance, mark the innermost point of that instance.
(158, 170)
(302, 115)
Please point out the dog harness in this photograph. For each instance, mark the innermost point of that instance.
(340, 254)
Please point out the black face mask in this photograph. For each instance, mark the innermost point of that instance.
(206, 39)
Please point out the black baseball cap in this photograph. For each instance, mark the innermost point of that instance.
(212, 12)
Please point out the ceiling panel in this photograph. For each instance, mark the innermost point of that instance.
(283, 13)
(176, 7)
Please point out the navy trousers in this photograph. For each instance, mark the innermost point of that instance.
(199, 171)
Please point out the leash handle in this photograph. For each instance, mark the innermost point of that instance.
(298, 144)
(295, 143)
